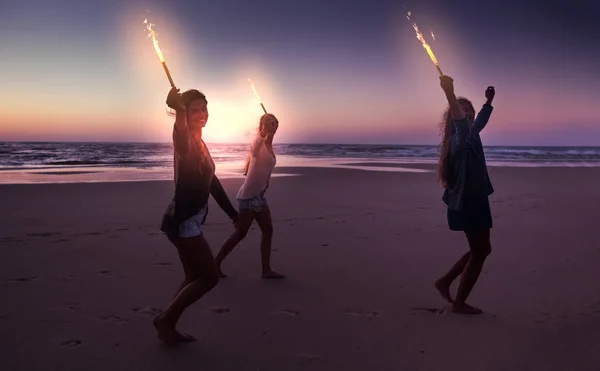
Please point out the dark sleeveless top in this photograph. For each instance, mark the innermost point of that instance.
(195, 181)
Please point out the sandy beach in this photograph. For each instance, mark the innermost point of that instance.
(84, 269)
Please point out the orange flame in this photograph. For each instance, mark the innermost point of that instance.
(425, 45)
(255, 92)
(152, 35)
(257, 97)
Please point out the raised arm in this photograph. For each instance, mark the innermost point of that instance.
(181, 138)
(180, 128)
(259, 141)
(461, 125)
(486, 111)
(482, 118)
(219, 194)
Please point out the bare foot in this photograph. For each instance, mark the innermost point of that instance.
(464, 308)
(444, 288)
(272, 275)
(220, 272)
(166, 332)
(185, 338)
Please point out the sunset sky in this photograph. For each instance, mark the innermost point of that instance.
(333, 71)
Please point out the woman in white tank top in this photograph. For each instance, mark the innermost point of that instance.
(252, 204)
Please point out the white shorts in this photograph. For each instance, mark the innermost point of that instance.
(192, 226)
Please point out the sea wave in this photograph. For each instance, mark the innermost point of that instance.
(17, 155)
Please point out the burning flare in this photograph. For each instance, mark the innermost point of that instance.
(257, 96)
(159, 53)
(152, 35)
(425, 45)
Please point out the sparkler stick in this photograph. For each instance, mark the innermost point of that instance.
(425, 45)
(159, 53)
(257, 96)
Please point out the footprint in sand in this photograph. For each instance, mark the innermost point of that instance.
(325, 245)
(74, 307)
(310, 359)
(289, 312)
(163, 264)
(105, 272)
(114, 319)
(71, 343)
(430, 310)
(369, 315)
(148, 311)
(23, 279)
(12, 239)
(47, 234)
(219, 310)
(68, 278)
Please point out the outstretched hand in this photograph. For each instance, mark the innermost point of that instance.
(174, 99)
(447, 84)
(269, 124)
(490, 92)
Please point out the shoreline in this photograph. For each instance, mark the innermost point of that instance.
(232, 169)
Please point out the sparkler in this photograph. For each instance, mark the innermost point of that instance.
(159, 53)
(425, 45)
(257, 96)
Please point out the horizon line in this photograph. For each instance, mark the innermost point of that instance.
(286, 143)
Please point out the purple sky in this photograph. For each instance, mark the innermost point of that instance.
(335, 71)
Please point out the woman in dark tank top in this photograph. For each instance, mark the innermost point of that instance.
(183, 221)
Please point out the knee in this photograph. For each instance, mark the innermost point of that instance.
(212, 280)
(240, 234)
(483, 252)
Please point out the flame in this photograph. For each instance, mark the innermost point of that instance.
(432, 35)
(425, 45)
(152, 35)
(255, 92)
(422, 40)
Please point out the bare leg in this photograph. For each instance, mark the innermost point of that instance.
(196, 253)
(246, 218)
(263, 218)
(479, 243)
(444, 283)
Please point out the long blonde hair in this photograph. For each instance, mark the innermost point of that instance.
(261, 125)
(447, 129)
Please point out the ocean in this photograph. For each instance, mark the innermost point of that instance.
(26, 162)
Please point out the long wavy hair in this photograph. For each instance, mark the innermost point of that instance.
(447, 130)
(261, 125)
(188, 97)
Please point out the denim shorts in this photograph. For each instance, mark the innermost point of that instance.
(475, 215)
(255, 204)
(192, 226)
